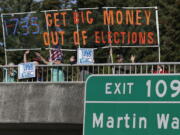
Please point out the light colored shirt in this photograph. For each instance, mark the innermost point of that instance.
(9, 77)
(57, 74)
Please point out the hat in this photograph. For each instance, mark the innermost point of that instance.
(119, 56)
(11, 64)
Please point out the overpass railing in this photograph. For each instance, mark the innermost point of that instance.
(79, 73)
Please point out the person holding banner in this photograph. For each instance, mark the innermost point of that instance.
(57, 73)
(36, 61)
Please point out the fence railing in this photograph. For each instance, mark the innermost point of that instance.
(79, 73)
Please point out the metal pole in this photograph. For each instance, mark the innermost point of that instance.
(88, 8)
(56, 10)
(157, 28)
(77, 28)
(70, 50)
(49, 35)
(4, 39)
(13, 50)
(79, 46)
(110, 44)
(20, 13)
(138, 7)
(159, 53)
(130, 47)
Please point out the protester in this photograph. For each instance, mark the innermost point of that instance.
(119, 69)
(73, 74)
(10, 74)
(57, 73)
(84, 72)
(123, 68)
(119, 58)
(36, 60)
(72, 60)
(160, 70)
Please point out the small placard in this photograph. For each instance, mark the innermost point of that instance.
(26, 70)
(85, 56)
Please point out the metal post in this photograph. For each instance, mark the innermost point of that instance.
(77, 28)
(110, 44)
(159, 53)
(158, 38)
(19, 13)
(49, 34)
(4, 39)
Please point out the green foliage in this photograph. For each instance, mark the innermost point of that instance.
(169, 28)
(16, 6)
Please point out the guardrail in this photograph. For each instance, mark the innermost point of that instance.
(79, 73)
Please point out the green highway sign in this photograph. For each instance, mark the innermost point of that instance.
(132, 105)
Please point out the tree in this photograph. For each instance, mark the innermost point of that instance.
(168, 21)
(169, 27)
(16, 39)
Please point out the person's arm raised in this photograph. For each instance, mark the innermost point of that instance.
(133, 57)
(25, 56)
(41, 57)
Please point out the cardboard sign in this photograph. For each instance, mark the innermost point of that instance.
(85, 56)
(26, 70)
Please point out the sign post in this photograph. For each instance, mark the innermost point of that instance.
(132, 104)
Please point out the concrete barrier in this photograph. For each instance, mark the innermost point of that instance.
(41, 103)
